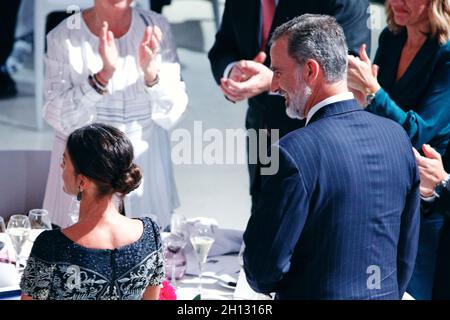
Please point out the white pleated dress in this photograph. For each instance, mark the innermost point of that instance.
(144, 114)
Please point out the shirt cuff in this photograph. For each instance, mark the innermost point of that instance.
(227, 70)
(89, 93)
(428, 199)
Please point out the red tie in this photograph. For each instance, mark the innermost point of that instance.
(268, 11)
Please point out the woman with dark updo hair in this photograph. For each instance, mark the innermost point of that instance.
(105, 255)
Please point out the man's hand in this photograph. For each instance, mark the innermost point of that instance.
(247, 79)
(431, 170)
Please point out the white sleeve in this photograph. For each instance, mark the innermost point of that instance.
(168, 97)
(67, 105)
(227, 70)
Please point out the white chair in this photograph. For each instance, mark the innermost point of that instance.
(42, 9)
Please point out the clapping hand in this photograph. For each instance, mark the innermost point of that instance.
(362, 76)
(148, 50)
(431, 169)
(247, 79)
(108, 52)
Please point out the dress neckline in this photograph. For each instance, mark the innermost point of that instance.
(75, 244)
(422, 57)
(86, 27)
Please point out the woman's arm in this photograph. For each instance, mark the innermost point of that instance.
(67, 105)
(168, 97)
(432, 115)
(151, 293)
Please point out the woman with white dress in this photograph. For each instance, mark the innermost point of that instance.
(117, 65)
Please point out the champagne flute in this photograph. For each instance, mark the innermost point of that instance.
(18, 230)
(39, 221)
(4, 256)
(202, 239)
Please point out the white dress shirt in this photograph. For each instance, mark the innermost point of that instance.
(333, 99)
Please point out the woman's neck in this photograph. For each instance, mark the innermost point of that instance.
(94, 211)
(118, 18)
(417, 35)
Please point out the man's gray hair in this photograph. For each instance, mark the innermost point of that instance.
(318, 37)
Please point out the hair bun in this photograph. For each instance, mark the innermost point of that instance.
(129, 180)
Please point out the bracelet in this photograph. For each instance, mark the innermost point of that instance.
(95, 86)
(98, 84)
(152, 83)
(100, 81)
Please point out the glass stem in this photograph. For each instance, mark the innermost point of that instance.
(174, 281)
(18, 263)
(200, 267)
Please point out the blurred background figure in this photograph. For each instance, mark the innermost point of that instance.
(23, 37)
(435, 193)
(157, 5)
(409, 83)
(8, 17)
(120, 67)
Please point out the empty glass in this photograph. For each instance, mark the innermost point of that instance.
(178, 225)
(175, 257)
(4, 256)
(74, 212)
(174, 244)
(18, 230)
(39, 221)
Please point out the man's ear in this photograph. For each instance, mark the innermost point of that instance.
(311, 71)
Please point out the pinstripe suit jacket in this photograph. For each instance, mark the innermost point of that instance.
(340, 219)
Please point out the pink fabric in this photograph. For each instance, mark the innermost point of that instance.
(268, 11)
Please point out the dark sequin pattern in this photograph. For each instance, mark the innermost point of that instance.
(59, 269)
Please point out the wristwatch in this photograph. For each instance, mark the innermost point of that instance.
(369, 98)
(441, 186)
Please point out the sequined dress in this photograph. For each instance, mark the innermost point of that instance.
(60, 269)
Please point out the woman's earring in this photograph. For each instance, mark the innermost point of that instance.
(80, 194)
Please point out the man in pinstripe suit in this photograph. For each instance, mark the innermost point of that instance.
(340, 218)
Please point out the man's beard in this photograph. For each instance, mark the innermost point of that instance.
(296, 104)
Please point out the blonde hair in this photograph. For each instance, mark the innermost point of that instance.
(438, 15)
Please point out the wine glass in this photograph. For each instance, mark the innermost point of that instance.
(174, 244)
(18, 230)
(178, 225)
(175, 257)
(202, 239)
(39, 221)
(4, 256)
(74, 212)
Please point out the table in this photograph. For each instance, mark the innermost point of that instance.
(217, 271)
